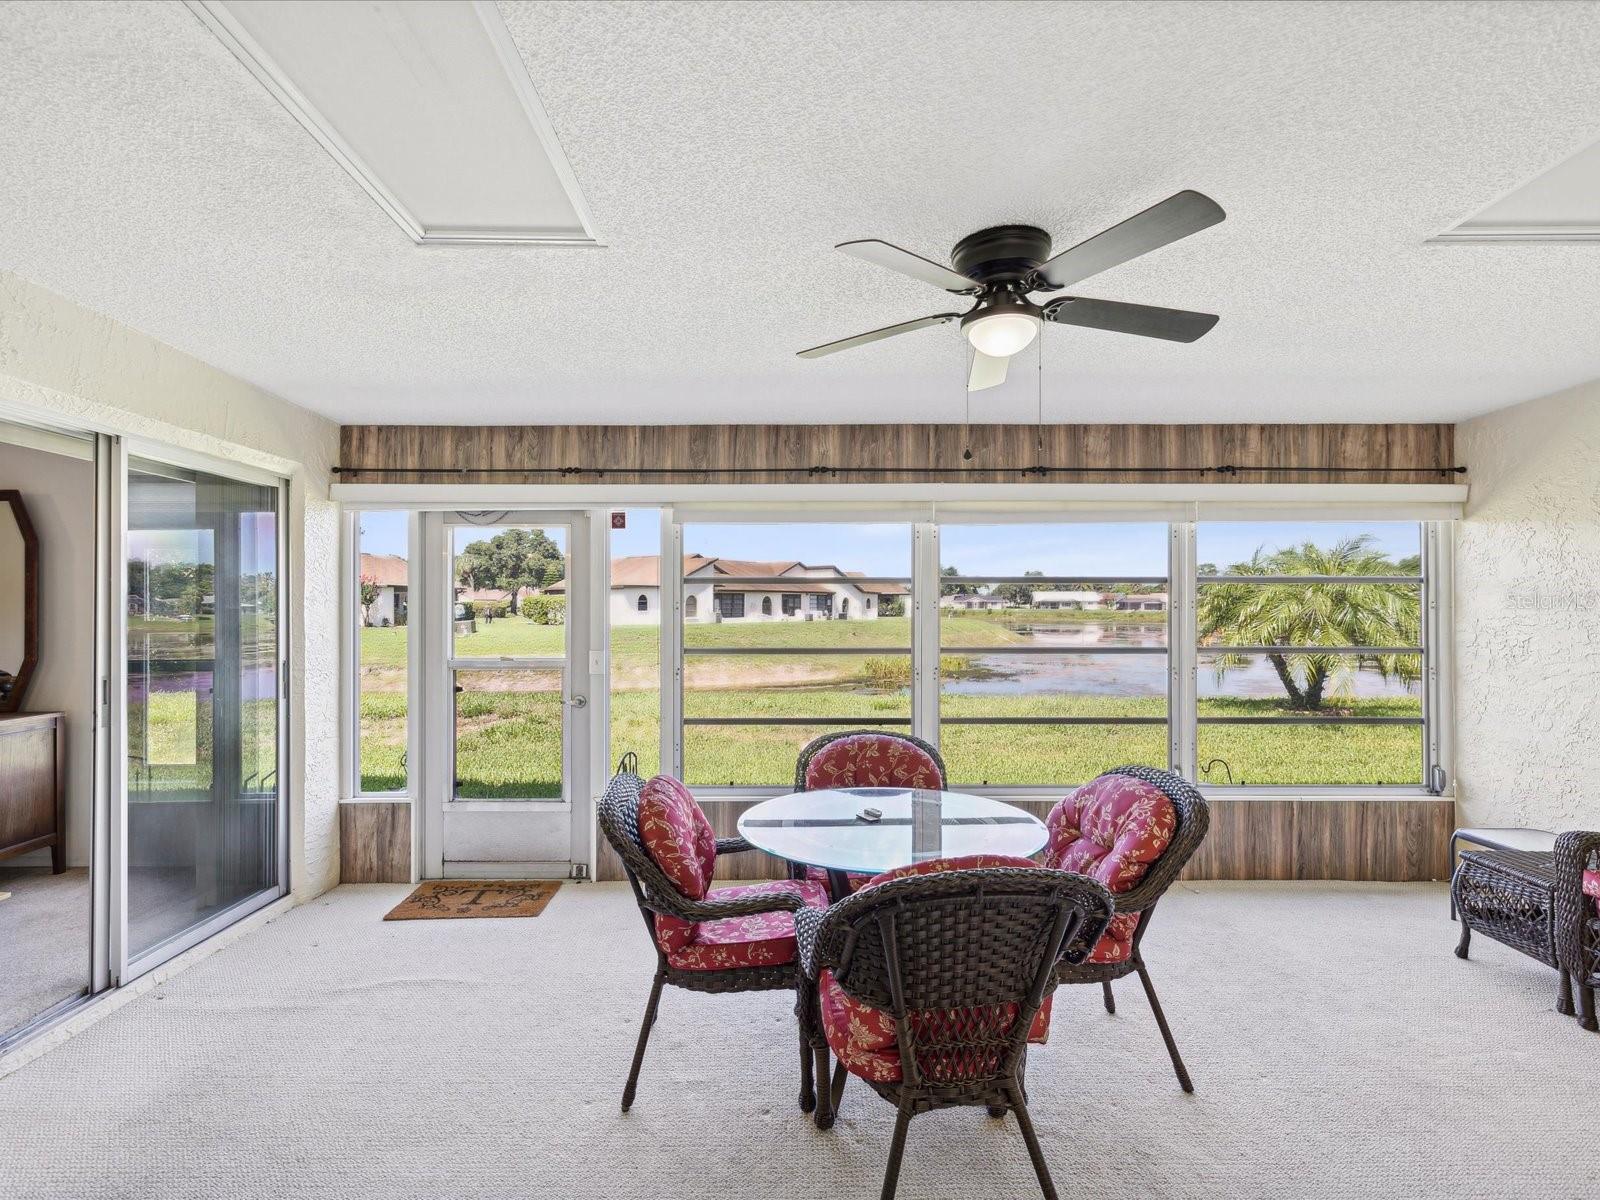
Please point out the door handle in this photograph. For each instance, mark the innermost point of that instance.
(579, 702)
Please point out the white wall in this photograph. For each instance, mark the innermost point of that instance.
(624, 606)
(57, 357)
(59, 494)
(1528, 615)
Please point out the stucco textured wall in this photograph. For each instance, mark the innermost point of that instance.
(1527, 601)
(57, 357)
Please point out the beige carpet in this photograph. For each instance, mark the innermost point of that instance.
(44, 940)
(1339, 1049)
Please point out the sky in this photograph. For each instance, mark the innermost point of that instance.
(1100, 550)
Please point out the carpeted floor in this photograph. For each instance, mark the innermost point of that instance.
(44, 940)
(1340, 1050)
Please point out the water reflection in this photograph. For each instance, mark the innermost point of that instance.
(1127, 675)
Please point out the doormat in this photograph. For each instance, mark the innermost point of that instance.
(434, 899)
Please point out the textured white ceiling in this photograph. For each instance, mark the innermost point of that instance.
(723, 150)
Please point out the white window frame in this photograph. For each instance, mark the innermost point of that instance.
(1437, 507)
(1436, 544)
(1028, 791)
(1182, 650)
(350, 661)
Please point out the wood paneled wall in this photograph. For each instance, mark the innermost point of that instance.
(375, 841)
(1393, 841)
(578, 455)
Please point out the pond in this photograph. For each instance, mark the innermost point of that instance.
(1130, 675)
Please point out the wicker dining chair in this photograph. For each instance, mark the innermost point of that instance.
(862, 758)
(943, 973)
(730, 939)
(1577, 914)
(1132, 829)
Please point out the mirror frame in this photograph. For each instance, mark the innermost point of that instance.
(30, 601)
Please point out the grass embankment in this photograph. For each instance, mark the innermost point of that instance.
(508, 743)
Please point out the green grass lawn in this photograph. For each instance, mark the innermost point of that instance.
(508, 743)
(386, 647)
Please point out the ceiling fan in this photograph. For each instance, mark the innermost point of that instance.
(1003, 266)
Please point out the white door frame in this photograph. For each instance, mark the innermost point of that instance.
(557, 827)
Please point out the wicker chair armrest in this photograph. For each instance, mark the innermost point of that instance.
(1161, 876)
(1099, 906)
(807, 921)
(678, 905)
(1575, 850)
(1148, 891)
(732, 845)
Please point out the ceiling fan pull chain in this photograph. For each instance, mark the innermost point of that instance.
(1038, 442)
(966, 392)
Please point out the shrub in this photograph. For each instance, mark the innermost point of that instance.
(890, 674)
(545, 610)
(887, 673)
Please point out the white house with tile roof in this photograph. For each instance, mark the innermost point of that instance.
(735, 589)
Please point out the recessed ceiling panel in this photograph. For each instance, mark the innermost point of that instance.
(1558, 205)
(427, 103)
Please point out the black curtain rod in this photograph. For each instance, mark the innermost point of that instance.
(822, 469)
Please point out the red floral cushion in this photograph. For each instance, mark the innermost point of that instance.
(1116, 944)
(966, 862)
(863, 1038)
(678, 838)
(872, 760)
(1111, 829)
(1591, 887)
(761, 940)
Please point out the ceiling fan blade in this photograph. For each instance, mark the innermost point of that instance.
(1159, 225)
(987, 371)
(861, 339)
(1170, 324)
(907, 263)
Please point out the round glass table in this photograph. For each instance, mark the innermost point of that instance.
(825, 829)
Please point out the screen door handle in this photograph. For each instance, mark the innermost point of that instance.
(579, 702)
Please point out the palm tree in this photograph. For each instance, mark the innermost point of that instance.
(1316, 614)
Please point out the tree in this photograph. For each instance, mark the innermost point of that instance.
(513, 560)
(955, 589)
(1018, 595)
(1315, 614)
(369, 596)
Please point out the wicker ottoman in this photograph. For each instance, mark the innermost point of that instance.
(1509, 895)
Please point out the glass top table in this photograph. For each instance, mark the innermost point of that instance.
(823, 828)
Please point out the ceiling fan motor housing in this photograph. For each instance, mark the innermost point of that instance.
(1001, 254)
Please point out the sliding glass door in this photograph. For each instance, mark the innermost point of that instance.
(204, 823)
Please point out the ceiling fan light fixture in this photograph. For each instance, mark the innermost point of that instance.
(1002, 266)
(1002, 334)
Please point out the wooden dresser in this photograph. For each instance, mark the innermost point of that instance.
(32, 796)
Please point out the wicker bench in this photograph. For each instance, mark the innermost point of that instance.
(1509, 895)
